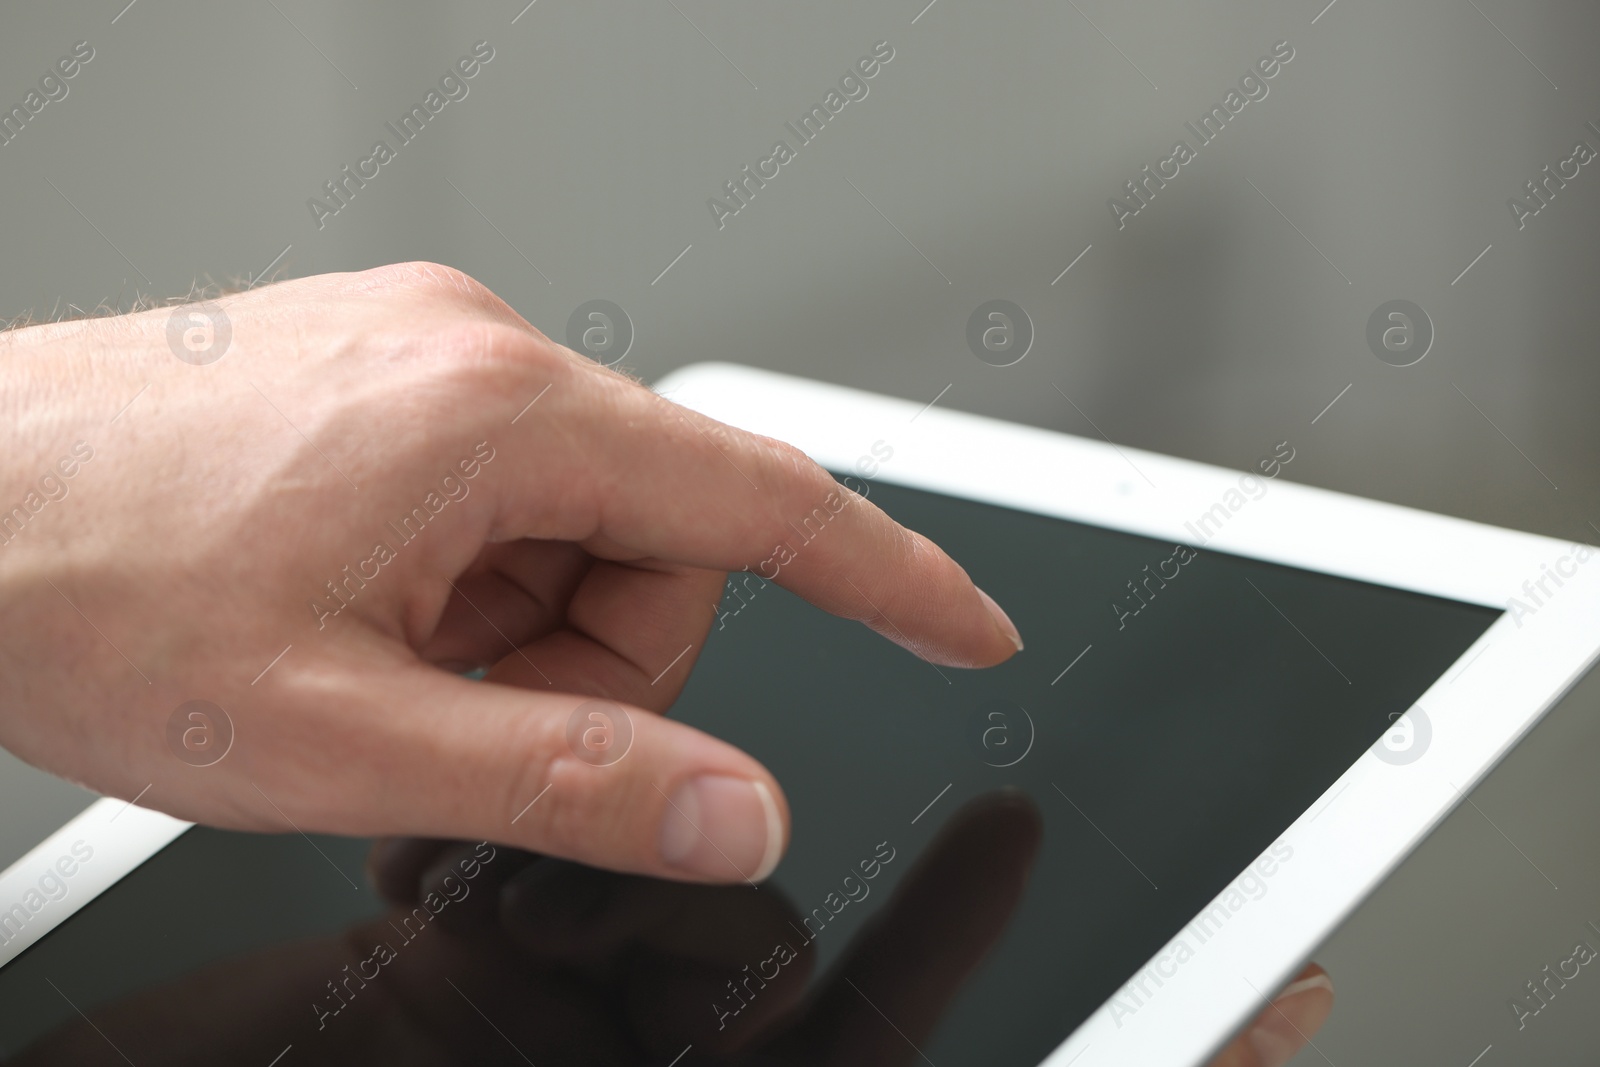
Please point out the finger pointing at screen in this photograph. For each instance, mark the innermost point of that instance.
(369, 483)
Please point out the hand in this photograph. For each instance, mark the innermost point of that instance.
(389, 477)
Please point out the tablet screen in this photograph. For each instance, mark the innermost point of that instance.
(979, 859)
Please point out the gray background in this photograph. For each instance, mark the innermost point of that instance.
(1221, 320)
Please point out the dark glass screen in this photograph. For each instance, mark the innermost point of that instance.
(979, 858)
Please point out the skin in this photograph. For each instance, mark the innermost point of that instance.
(582, 560)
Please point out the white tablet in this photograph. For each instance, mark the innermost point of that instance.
(1242, 702)
(1427, 646)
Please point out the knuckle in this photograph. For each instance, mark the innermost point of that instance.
(420, 276)
(491, 359)
(532, 751)
(570, 826)
(805, 480)
(560, 805)
(791, 458)
(570, 820)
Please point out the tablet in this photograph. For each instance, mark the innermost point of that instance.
(1242, 702)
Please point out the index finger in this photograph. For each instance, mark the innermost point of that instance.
(630, 474)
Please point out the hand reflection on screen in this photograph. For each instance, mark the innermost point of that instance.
(548, 962)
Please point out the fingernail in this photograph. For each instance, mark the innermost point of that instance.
(723, 829)
(1001, 619)
(1296, 1013)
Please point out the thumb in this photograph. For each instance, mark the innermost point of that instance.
(1285, 1026)
(589, 780)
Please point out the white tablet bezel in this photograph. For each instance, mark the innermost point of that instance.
(1170, 1013)
(1173, 1013)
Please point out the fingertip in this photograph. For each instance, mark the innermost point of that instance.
(1002, 621)
(1294, 1016)
(980, 639)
